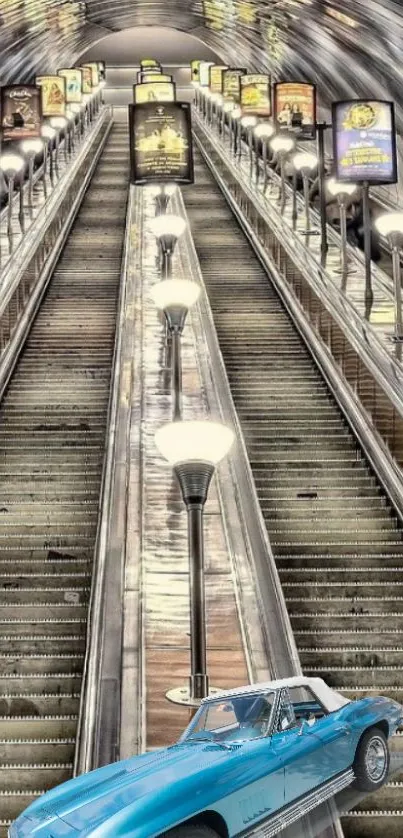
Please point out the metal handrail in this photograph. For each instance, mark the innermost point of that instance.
(96, 742)
(385, 369)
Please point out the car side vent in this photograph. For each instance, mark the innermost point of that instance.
(215, 747)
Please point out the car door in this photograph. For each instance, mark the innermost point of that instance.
(300, 750)
(331, 728)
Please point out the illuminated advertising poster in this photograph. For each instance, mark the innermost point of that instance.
(218, 14)
(149, 62)
(101, 70)
(232, 84)
(364, 141)
(216, 73)
(154, 92)
(195, 70)
(21, 112)
(255, 95)
(295, 108)
(204, 73)
(53, 91)
(74, 85)
(93, 65)
(149, 77)
(161, 143)
(246, 12)
(87, 79)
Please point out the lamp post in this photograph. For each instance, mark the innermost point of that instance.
(227, 108)
(262, 132)
(31, 148)
(175, 297)
(207, 98)
(11, 165)
(282, 147)
(162, 196)
(390, 225)
(236, 115)
(48, 134)
(167, 229)
(304, 162)
(194, 449)
(71, 117)
(60, 123)
(216, 101)
(249, 123)
(342, 191)
(75, 109)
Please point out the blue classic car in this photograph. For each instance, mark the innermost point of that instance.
(252, 760)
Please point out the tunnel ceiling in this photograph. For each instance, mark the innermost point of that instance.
(348, 47)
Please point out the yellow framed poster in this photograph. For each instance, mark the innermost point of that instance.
(156, 91)
(216, 77)
(53, 93)
(93, 65)
(74, 85)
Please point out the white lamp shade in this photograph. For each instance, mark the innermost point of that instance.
(175, 292)
(204, 441)
(168, 225)
(216, 97)
(207, 92)
(248, 121)
(237, 113)
(285, 144)
(228, 107)
(58, 122)
(11, 163)
(70, 114)
(335, 187)
(75, 107)
(305, 160)
(390, 223)
(196, 83)
(48, 132)
(32, 146)
(264, 129)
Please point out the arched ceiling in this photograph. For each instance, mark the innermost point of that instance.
(348, 47)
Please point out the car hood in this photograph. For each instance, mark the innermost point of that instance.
(97, 796)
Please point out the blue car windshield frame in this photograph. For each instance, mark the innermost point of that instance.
(233, 718)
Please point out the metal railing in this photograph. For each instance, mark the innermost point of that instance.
(366, 381)
(26, 278)
(99, 724)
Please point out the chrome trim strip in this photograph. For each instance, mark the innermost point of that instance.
(277, 823)
(99, 716)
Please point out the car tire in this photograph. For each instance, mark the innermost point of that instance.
(191, 830)
(372, 758)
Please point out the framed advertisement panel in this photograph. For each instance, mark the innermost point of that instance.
(21, 112)
(87, 79)
(364, 141)
(161, 143)
(149, 62)
(216, 73)
(255, 95)
(157, 91)
(232, 84)
(74, 85)
(294, 108)
(149, 77)
(195, 70)
(93, 65)
(53, 93)
(204, 73)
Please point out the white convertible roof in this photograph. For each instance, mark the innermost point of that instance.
(330, 699)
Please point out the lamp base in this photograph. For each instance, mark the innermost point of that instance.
(194, 479)
(183, 696)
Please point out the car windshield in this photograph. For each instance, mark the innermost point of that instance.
(233, 719)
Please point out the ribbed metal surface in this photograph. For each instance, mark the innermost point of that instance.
(52, 437)
(337, 544)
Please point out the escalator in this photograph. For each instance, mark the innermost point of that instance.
(52, 439)
(336, 539)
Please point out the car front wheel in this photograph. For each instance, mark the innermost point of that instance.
(191, 830)
(371, 764)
